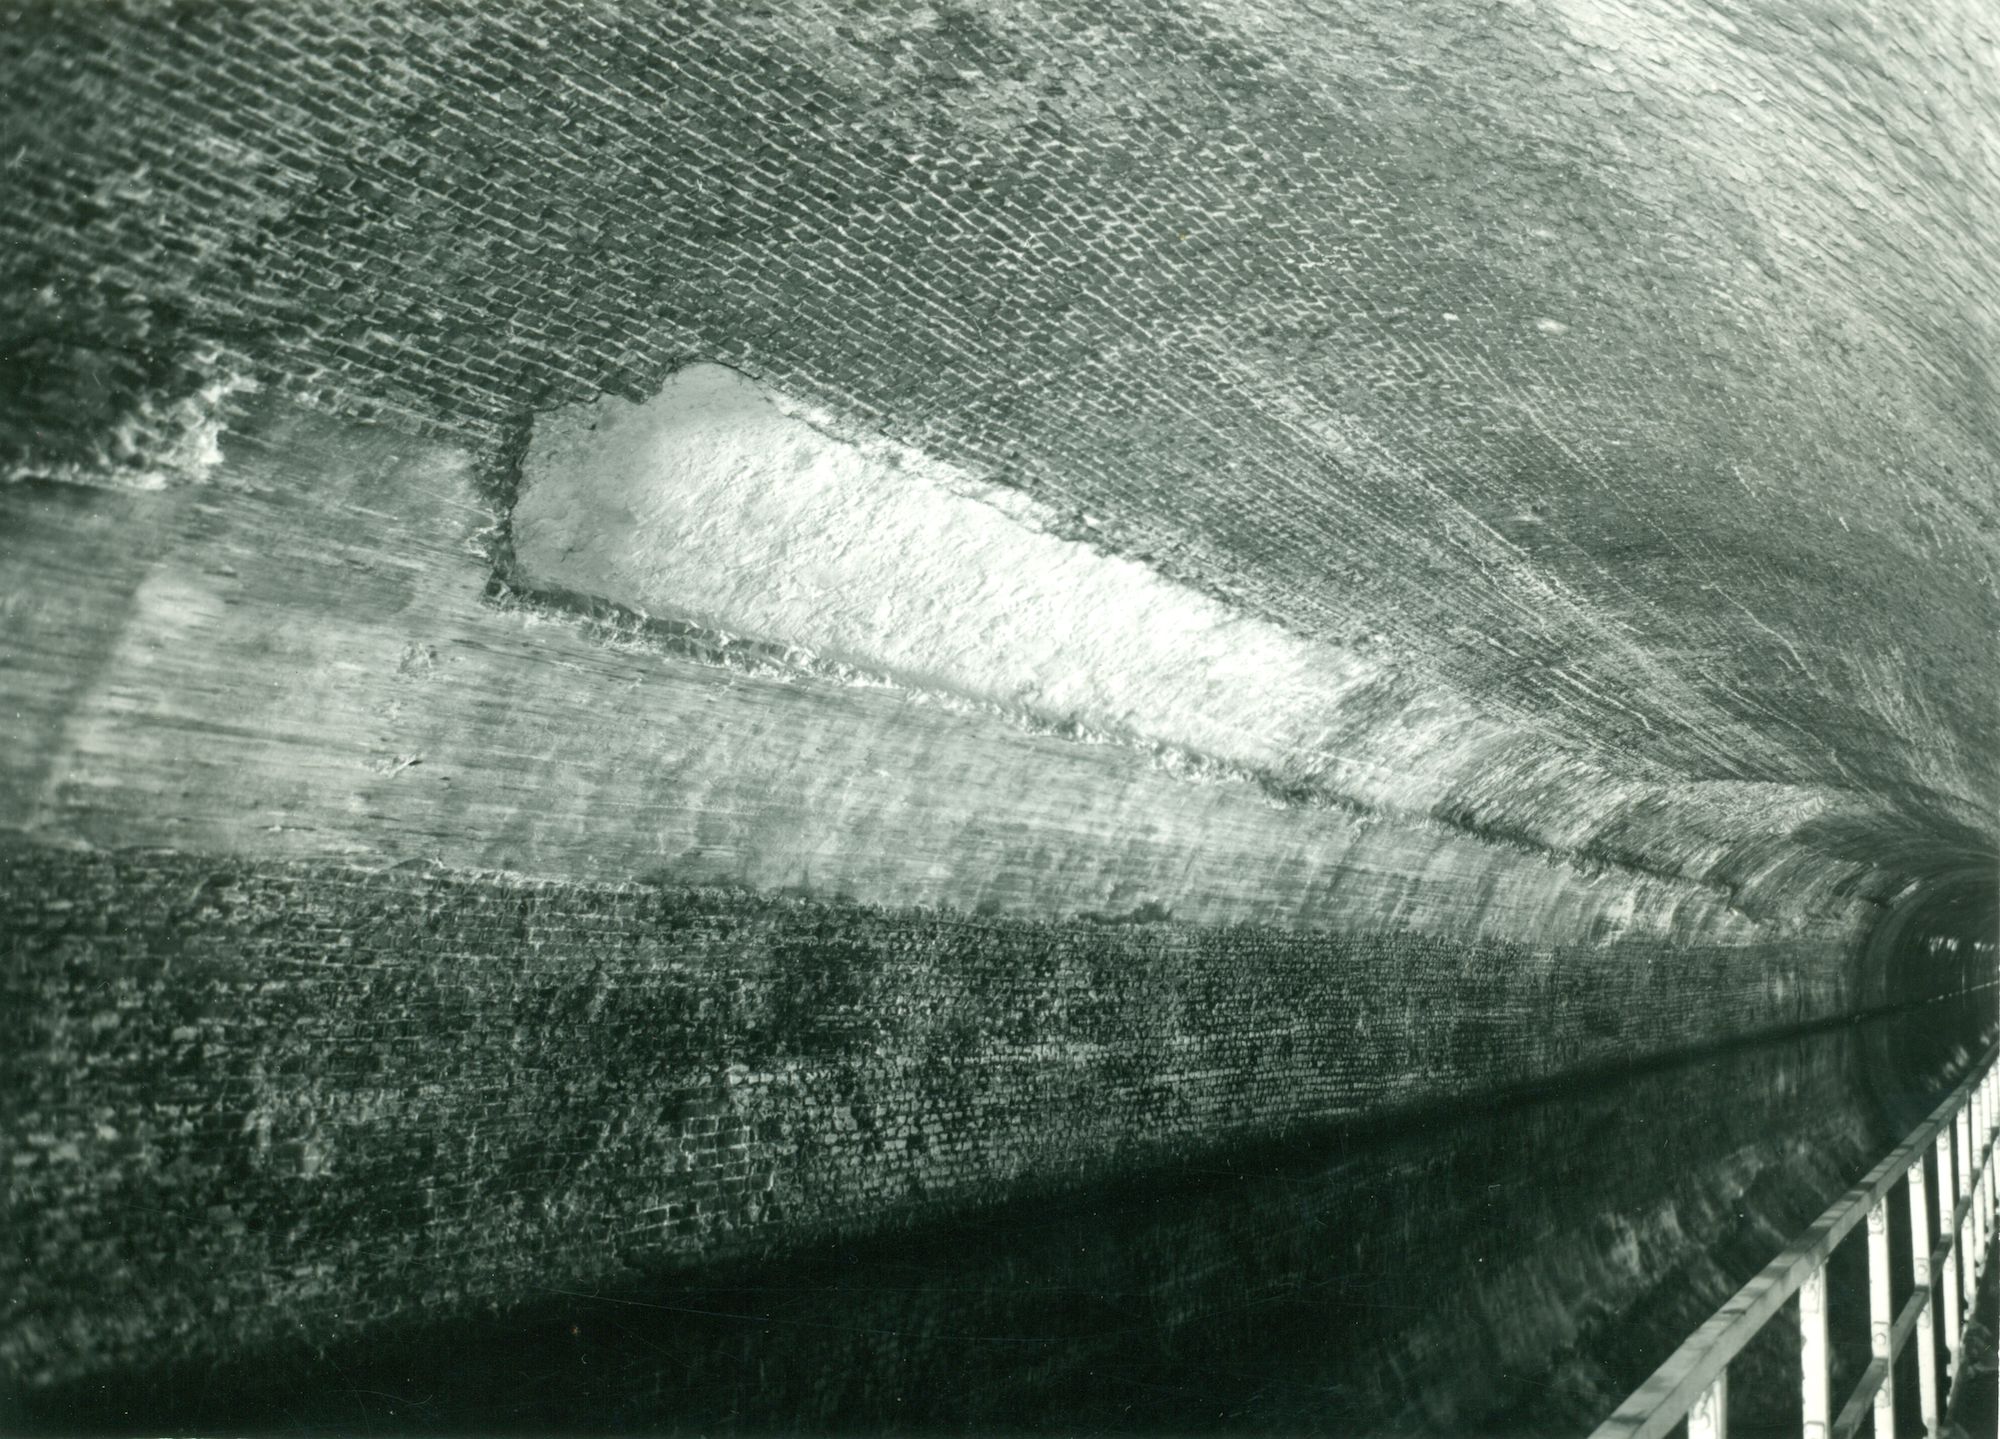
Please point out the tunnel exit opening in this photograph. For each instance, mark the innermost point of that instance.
(1943, 938)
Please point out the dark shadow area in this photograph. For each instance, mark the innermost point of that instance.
(1940, 937)
(1515, 1270)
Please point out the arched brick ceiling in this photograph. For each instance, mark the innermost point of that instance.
(1617, 373)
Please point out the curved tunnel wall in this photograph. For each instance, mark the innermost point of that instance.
(1940, 939)
(1637, 667)
(1578, 1240)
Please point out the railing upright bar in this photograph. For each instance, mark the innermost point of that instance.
(1691, 1385)
(1947, 1201)
(1987, 1168)
(1976, 1187)
(1981, 1133)
(1980, 1176)
(1816, 1382)
(1920, 1273)
(1968, 1279)
(1880, 1316)
(1709, 1419)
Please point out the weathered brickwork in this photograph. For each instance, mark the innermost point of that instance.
(1567, 1245)
(1385, 325)
(235, 1089)
(1618, 376)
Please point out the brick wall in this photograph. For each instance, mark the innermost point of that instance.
(233, 1091)
(1576, 1242)
(1234, 302)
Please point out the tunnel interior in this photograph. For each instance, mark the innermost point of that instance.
(1001, 715)
(1941, 936)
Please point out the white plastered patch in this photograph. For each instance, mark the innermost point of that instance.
(713, 502)
(719, 503)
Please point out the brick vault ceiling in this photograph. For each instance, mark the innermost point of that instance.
(1614, 372)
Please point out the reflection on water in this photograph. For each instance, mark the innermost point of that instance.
(1513, 1270)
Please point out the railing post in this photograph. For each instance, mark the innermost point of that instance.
(1953, 1209)
(1816, 1384)
(1982, 1176)
(1989, 1190)
(1968, 1280)
(1920, 1270)
(1982, 1189)
(1709, 1419)
(1881, 1316)
(1947, 1192)
(1970, 1179)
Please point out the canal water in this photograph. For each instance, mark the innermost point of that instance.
(1511, 1269)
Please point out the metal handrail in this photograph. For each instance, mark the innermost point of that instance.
(1694, 1383)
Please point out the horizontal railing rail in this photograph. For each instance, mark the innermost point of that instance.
(1945, 1264)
